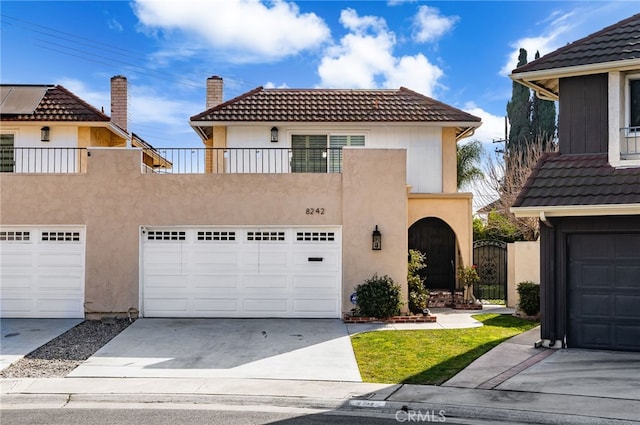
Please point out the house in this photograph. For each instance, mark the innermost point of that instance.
(46, 127)
(296, 197)
(587, 195)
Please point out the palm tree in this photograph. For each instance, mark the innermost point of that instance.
(469, 157)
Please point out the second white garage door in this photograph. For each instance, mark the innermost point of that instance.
(241, 272)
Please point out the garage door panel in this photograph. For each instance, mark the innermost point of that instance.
(265, 305)
(166, 281)
(59, 307)
(260, 273)
(265, 282)
(604, 291)
(160, 305)
(628, 337)
(42, 271)
(213, 305)
(216, 282)
(11, 257)
(317, 305)
(627, 306)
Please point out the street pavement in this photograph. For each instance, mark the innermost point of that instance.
(513, 383)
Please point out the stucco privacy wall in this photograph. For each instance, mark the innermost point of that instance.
(523, 264)
(113, 199)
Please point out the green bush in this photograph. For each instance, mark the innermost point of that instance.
(378, 297)
(418, 294)
(529, 298)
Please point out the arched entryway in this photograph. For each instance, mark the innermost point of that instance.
(433, 237)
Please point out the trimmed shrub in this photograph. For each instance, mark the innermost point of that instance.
(418, 294)
(378, 297)
(529, 297)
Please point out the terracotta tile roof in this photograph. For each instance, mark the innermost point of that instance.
(620, 41)
(59, 104)
(334, 105)
(586, 179)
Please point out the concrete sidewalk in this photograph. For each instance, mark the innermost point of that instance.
(475, 404)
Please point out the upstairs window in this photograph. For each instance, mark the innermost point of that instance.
(634, 102)
(320, 153)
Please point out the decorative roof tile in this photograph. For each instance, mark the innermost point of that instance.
(620, 41)
(59, 104)
(333, 105)
(578, 180)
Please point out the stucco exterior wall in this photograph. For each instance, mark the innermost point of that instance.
(113, 199)
(453, 208)
(523, 264)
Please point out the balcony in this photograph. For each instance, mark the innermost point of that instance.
(246, 160)
(37, 160)
(630, 143)
(43, 160)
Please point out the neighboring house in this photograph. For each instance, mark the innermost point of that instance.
(587, 195)
(277, 216)
(34, 117)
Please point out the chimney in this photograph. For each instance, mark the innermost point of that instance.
(119, 101)
(214, 91)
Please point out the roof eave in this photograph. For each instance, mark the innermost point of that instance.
(576, 210)
(531, 78)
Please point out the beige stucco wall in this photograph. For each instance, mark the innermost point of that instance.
(374, 193)
(523, 264)
(113, 199)
(453, 208)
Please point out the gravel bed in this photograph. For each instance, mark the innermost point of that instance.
(61, 355)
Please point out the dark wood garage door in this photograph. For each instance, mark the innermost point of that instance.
(604, 291)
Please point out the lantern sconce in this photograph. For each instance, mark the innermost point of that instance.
(274, 134)
(44, 134)
(376, 240)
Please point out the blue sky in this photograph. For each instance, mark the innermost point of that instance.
(457, 52)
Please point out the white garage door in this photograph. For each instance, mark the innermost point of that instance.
(42, 272)
(241, 272)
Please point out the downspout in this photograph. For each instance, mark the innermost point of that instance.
(543, 219)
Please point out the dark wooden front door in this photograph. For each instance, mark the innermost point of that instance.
(434, 238)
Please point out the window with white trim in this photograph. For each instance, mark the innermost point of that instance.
(320, 153)
(15, 236)
(60, 237)
(166, 235)
(7, 161)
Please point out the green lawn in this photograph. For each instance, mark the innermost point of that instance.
(430, 356)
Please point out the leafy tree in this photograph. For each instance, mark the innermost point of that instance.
(469, 158)
(519, 110)
(507, 176)
(543, 117)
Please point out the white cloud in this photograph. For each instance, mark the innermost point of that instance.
(364, 59)
(272, 85)
(248, 30)
(556, 26)
(399, 2)
(429, 25)
(113, 24)
(492, 127)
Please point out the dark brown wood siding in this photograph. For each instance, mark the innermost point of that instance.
(583, 124)
(553, 264)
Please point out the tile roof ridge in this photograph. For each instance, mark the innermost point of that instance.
(81, 101)
(415, 93)
(525, 67)
(228, 102)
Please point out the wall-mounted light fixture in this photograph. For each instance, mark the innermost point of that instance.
(376, 239)
(44, 134)
(274, 134)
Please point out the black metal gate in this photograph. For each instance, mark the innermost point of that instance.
(490, 257)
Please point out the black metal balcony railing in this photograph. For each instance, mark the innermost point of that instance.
(245, 160)
(42, 160)
(180, 160)
(630, 143)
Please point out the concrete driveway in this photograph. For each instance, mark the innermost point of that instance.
(304, 349)
(19, 337)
